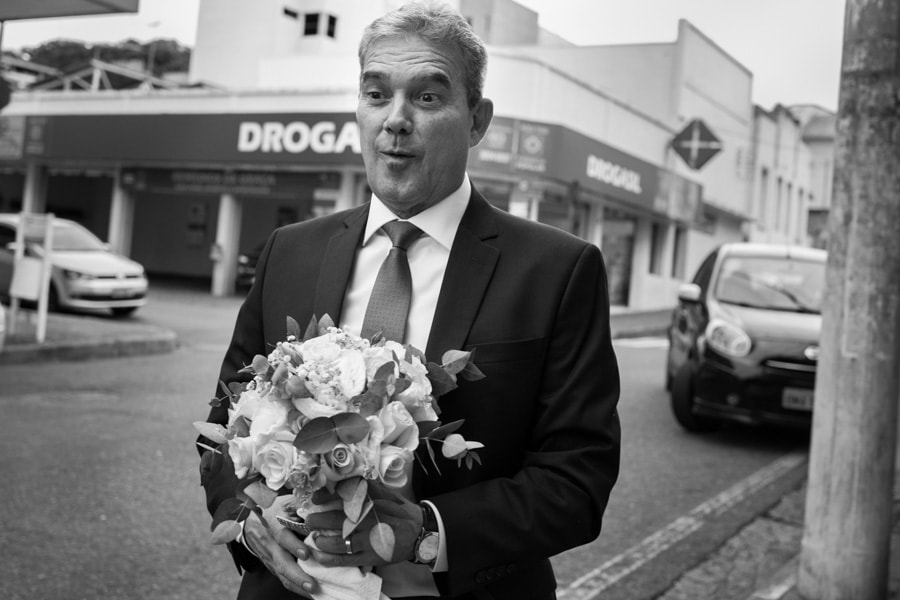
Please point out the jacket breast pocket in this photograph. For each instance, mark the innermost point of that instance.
(507, 351)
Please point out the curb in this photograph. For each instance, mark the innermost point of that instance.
(128, 345)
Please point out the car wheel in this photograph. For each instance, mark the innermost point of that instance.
(682, 394)
(123, 311)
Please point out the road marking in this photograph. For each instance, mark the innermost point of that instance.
(642, 342)
(591, 584)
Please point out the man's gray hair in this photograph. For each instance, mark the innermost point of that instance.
(436, 23)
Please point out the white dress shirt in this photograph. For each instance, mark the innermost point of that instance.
(428, 257)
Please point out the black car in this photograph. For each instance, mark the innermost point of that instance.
(743, 341)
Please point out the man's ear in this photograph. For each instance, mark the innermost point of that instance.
(481, 118)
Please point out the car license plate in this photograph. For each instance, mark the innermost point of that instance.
(122, 293)
(797, 399)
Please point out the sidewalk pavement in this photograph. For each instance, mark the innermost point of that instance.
(759, 562)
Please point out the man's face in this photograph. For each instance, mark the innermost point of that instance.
(415, 124)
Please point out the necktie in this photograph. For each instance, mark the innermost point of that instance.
(389, 304)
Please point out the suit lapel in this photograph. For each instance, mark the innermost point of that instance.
(337, 265)
(466, 279)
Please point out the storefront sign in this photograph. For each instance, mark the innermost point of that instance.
(270, 139)
(239, 183)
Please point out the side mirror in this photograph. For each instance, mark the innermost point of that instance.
(689, 292)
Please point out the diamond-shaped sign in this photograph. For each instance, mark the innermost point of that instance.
(696, 144)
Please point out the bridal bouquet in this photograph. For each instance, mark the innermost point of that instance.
(329, 409)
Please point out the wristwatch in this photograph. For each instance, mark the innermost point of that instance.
(429, 539)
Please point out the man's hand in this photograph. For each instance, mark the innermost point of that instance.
(404, 518)
(278, 548)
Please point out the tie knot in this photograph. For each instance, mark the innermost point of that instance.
(402, 233)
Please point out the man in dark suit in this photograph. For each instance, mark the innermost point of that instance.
(532, 300)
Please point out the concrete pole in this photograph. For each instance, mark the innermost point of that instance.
(846, 539)
(121, 219)
(225, 250)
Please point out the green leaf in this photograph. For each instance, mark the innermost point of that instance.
(241, 427)
(401, 385)
(260, 493)
(426, 427)
(211, 431)
(280, 374)
(455, 361)
(368, 403)
(382, 539)
(293, 327)
(349, 526)
(324, 323)
(317, 437)
(413, 351)
(353, 493)
(260, 364)
(350, 428)
(471, 372)
(224, 532)
(385, 372)
(230, 509)
(312, 329)
(439, 433)
(441, 382)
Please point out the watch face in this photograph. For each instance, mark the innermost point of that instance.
(427, 550)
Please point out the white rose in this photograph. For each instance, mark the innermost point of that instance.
(270, 415)
(241, 450)
(399, 427)
(395, 467)
(244, 406)
(352, 369)
(274, 461)
(375, 358)
(319, 350)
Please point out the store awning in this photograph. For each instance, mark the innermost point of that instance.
(41, 9)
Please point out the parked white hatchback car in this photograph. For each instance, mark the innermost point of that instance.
(86, 274)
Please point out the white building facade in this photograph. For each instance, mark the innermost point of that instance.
(184, 180)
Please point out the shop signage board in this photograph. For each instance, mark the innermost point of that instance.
(696, 144)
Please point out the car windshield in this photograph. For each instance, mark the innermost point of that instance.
(776, 283)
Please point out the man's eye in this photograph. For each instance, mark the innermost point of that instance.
(373, 95)
(428, 98)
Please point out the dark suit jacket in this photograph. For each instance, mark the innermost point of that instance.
(533, 301)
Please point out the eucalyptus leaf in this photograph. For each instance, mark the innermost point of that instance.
(353, 493)
(293, 327)
(443, 431)
(211, 431)
(368, 403)
(385, 372)
(350, 428)
(441, 381)
(260, 493)
(455, 361)
(382, 539)
(260, 364)
(226, 531)
(401, 385)
(312, 329)
(325, 323)
(317, 437)
(471, 372)
(349, 526)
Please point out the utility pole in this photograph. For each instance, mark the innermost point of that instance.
(846, 537)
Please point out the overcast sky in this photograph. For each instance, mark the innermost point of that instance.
(793, 47)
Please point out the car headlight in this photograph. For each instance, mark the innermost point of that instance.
(77, 275)
(728, 339)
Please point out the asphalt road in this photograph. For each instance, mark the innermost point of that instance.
(101, 493)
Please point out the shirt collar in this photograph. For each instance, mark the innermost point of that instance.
(439, 222)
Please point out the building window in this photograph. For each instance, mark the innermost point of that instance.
(657, 247)
(311, 24)
(679, 253)
(332, 26)
(288, 12)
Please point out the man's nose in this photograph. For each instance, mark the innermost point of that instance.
(399, 120)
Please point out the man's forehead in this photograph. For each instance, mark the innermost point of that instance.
(411, 56)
